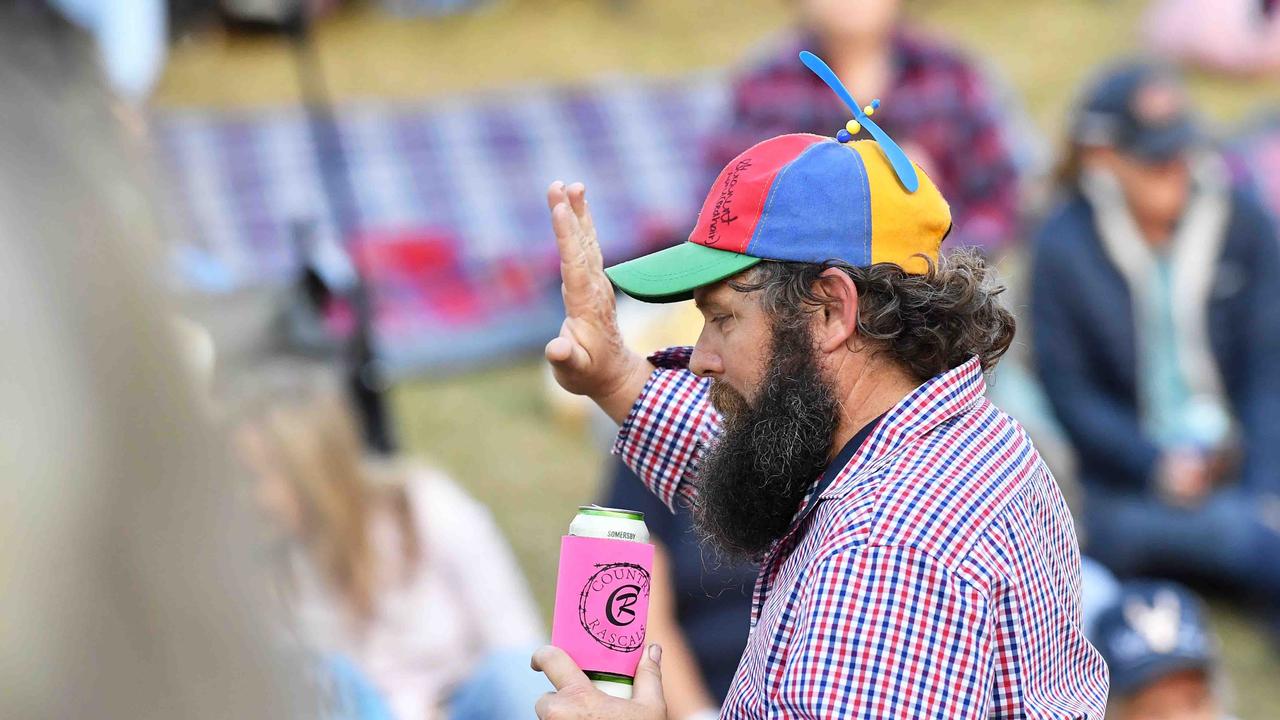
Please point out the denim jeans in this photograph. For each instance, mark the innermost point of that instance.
(502, 687)
(1226, 540)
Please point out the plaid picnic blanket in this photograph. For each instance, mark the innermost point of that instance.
(463, 178)
(431, 8)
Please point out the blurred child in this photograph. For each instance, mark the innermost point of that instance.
(389, 563)
(1162, 655)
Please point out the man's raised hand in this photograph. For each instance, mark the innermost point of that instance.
(589, 357)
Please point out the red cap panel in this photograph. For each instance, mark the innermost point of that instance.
(733, 207)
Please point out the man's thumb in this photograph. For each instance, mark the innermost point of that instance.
(648, 684)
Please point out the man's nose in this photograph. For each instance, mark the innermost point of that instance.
(704, 362)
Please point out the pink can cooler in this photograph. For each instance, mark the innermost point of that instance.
(602, 595)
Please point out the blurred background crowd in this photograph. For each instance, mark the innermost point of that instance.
(278, 274)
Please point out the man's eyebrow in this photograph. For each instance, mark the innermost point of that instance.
(708, 304)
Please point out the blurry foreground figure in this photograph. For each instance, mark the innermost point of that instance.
(121, 591)
(1156, 308)
(388, 563)
(1162, 654)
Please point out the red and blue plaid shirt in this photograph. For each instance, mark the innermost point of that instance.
(937, 102)
(936, 576)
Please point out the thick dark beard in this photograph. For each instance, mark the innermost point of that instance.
(752, 480)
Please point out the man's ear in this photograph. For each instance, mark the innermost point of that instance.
(837, 322)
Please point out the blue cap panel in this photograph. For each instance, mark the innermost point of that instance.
(818, 209)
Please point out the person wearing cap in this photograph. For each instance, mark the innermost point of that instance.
(916, 556)
(1156, 322)
(1162, 654)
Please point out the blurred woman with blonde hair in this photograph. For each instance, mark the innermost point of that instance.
(388, 562)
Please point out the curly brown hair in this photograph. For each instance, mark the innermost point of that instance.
(928, 323)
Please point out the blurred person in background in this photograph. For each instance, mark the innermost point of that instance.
(123, 570)
(1162, 652)
(1156, 321)
(936, 104)
(387, 562)
(1242, 39)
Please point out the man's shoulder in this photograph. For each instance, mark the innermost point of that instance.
(944, 492)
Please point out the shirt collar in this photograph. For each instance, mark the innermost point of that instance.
(938, 400)
(929, 405)
(832, 472)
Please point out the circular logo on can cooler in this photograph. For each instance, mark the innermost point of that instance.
(609, 604)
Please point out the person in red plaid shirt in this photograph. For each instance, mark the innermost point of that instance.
(937, 104)
(917, 558)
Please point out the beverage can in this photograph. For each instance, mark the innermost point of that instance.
(594, 521)
(611, 523)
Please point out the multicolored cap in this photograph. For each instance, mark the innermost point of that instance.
(803, 198)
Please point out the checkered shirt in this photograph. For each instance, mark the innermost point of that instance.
(937, 576)
(937, 101)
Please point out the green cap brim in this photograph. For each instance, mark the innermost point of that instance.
(673, 274)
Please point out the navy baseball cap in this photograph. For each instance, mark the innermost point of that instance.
(1139, 108)
(1153, 629)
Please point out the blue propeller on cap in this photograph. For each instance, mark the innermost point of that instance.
(898, 159)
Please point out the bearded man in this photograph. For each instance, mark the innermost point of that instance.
(917, 559)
